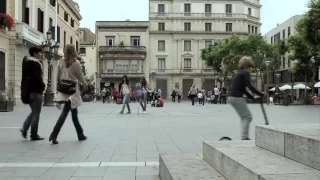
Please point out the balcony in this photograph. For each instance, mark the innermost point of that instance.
(157, 15)
(27, 33)
(118, 73)
(205, 71)
(123, 49)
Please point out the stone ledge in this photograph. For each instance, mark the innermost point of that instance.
(239, 160)
(299, 142)
(186, 167)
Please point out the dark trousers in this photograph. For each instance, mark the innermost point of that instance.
(179, 98)
(223, 99)
(63, 116)
(216, 97)
(115, 98)
(35, 102)
(104, 99)
(173, 98)
(192, 99)
(201, 101)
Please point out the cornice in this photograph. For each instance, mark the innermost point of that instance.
(72, 8)
(206, 1)
(117, 29)
(198, 32)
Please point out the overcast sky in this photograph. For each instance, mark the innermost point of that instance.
(272, 11)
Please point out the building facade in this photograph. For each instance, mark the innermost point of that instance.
(179, 30)
(33, 19)
(122, 49)
(280, 33)
(88, 53)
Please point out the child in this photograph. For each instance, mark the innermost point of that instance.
(271, 100)
(239, 85)
(200, 98)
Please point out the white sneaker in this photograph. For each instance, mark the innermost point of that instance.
(143, 112)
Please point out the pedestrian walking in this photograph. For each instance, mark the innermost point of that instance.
(239, 85)
(115, 95)
(69, 70)
(125, 91)
(104, 95)
(143, 99)
(216, 94)
(192, 93)
(32, 88)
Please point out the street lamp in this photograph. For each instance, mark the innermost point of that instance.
(278, 87)
(50, 52)
(267, 88)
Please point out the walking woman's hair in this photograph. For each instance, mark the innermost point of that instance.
(69, 54)
(143, 82)
(245, 62)
(126, 81)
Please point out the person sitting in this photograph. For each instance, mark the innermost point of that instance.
(153, 103)
(160, 102)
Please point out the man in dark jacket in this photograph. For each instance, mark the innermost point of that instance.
(32, 88)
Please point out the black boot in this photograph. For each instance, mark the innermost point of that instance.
(53, 138)
(82, 137)
(36, 138)
(24, 133)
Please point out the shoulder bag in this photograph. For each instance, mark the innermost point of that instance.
(65, 86)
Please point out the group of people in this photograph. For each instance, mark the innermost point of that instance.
(215, 97)
(69, 76)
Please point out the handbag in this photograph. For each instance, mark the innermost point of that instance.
(65, 86)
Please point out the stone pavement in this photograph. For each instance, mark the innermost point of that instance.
(124, 147)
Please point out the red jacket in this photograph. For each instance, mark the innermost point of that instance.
(115, 93)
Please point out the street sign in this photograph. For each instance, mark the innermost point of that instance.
(107, 84)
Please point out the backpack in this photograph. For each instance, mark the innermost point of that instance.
(24, 83)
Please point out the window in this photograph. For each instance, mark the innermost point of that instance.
(207, 44)
(283, 34)
(283, 62)
(77, 46)
(187, 26)
(58, 9)
(271, 40)
(161, 64)
(256, 30)
(3, 6)
(52, 29)
(187, 9)
(40, 20)
(249, 28)
(58, 34)
(229, 27)
(110, 40)
(71, 40)
(72, 22)
(207, 8)
(118, 66)
(135, 40)
(134, 67)
(187, 63)
(82, 50)
(187, 45)
(161, 45)
(25, 12)
(208, 27)
(161, 26)
(161, 8)
(289, 31)
(53, 2)
(229, 10)
(66, 16)
(252, 29)
(289, 63)
(64, 38)
(249, 12)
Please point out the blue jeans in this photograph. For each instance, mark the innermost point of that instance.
(126, 99)
(35, 102)
(143, 101)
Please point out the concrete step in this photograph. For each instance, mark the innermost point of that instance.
(186, 167)
(299, 142)
(242, 160)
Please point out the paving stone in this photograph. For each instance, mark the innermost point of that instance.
(90, 171)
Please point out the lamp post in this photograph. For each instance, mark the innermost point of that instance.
(278, 87)
(50, 52)
(267, 88)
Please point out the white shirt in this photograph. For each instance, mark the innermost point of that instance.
(125, 89)
(216, 91)
(199, 95)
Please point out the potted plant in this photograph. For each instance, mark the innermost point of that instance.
(5, 104)
(6, 21)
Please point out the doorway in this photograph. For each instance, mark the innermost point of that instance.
(2, 71)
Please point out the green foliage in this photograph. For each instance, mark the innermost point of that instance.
(224, 57)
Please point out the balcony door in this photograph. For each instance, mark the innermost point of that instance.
(2, 71)
(3, 6)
